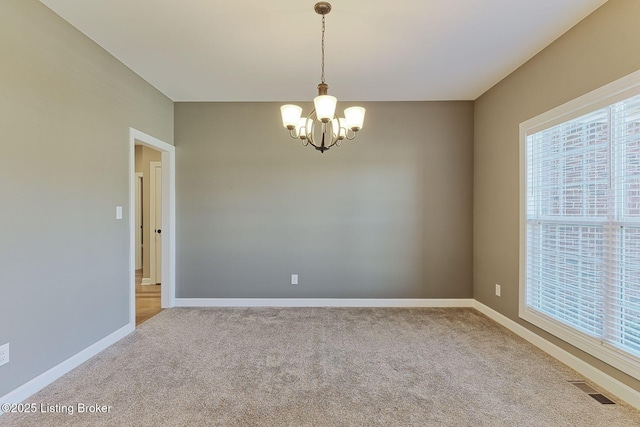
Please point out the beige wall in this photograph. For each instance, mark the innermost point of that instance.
(387, 215)
(144, 156)
(66, 106)
(600, 49)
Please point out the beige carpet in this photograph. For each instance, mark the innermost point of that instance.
(322, 367)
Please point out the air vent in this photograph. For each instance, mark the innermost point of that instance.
(593, 393)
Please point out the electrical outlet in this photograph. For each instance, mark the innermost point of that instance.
(294, 279)
(497, 290)
(4, 354)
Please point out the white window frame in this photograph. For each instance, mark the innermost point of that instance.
(623, 88)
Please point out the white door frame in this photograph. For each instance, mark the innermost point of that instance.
(168, 287)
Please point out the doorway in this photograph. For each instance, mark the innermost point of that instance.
(148, 170)
(152, 226)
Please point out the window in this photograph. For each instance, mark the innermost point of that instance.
(580, 223)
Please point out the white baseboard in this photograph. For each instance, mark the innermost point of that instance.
(322, 302)
(146, 281)
(619, 389)
(41, 381)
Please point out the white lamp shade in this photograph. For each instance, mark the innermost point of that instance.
(339, 127)
(343, 127)
(302, 128)
(355, 117)
(325, 107)
(290, 115)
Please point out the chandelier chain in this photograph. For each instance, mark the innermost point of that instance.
(322, 76)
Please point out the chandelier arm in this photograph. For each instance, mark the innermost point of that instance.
(352, 136)
(311, 118)
(311, 141)
(336, 139)
(338, 142)
(332, 139)
(323, 131)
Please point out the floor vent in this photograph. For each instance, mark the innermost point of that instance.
(593, 393)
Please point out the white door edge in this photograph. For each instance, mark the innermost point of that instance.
(152, 227)
(138, 219)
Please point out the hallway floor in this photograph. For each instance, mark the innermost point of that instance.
(147, 300)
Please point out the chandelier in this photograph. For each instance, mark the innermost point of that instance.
(322, 128)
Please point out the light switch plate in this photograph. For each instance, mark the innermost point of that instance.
(118, 212)
(4, 354)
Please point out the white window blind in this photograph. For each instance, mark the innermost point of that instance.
(582, 231)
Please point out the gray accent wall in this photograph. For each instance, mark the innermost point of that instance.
(388, 215)
(602, 48)
(66, 106)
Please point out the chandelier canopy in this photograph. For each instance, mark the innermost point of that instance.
(322, 128)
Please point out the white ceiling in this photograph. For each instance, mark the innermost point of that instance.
(248, 50)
